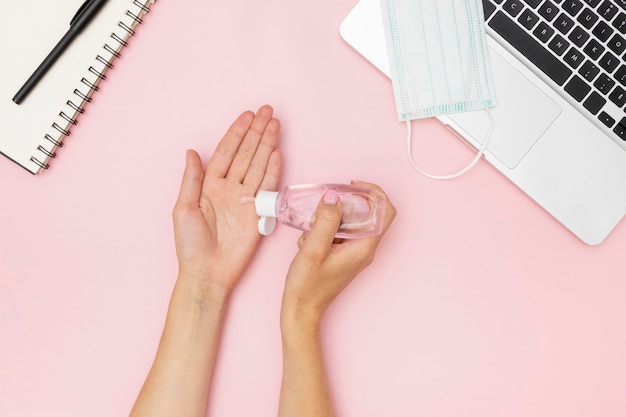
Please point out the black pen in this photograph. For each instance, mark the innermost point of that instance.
(81, 19)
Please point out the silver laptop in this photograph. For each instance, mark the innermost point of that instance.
(560, 127)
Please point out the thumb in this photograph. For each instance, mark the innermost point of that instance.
(193, 177)
(327, 220)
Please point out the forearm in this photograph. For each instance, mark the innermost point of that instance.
(304, 390)
(178, 383)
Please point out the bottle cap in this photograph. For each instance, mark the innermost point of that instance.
(265, 205)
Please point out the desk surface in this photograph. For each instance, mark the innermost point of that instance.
(479, 303)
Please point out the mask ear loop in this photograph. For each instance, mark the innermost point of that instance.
(480, 153)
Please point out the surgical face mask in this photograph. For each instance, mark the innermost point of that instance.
(438, 57)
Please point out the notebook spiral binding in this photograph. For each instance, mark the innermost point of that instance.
(89, 83)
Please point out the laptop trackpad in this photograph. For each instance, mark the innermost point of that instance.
(522, 114)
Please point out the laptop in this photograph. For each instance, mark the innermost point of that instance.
(559, 71)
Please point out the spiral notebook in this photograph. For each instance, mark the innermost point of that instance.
(32, 132)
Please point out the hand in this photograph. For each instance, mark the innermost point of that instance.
(215, 234)
(324, 266)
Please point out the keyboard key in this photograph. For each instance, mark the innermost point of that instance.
(617, 44)
(543, 32)
(530, 48)
(589, 71)
(604, 83)
(620, 23)
(606, 119)
(607, 10)
(602, 31)
(574, 58)
(618, 96)
(577, 88)
(513, 7)
(620, 75)
(572, 7)
(563, 23)
(594, 103)
(548, 10)
(592, 3)
(620, 129)
(587, 18)
(609, 62)
(578, 36)
(488, 8)
(594, 49)
(558, 45)
(528, 19)
(621, 3)
(533, 3)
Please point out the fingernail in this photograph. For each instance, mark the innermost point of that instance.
(331, 197)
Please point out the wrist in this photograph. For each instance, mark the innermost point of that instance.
(299, 317)
(200, 291)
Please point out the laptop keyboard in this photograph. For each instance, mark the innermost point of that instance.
(578, 44)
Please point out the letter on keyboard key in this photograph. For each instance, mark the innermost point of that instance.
(558, 45)
(543, 32)
(587, 18)
(530, 48)
(617, 44)
(528, 19)
(578, 36)
(548, 10)
(609, 62)
(572, 7)
(513, 7)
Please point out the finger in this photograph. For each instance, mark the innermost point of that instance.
(272, 172)
(227, 148)
(364, 249)
(259, 164)
(301, 240)
(249, 144)
(191, 185)
(327, 219)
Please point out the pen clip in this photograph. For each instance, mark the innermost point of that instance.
(80, 11)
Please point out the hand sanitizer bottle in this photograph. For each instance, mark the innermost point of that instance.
(362, 208)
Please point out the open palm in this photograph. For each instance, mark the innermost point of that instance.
(215, 233)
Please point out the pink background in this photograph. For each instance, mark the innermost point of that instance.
(479, 304)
